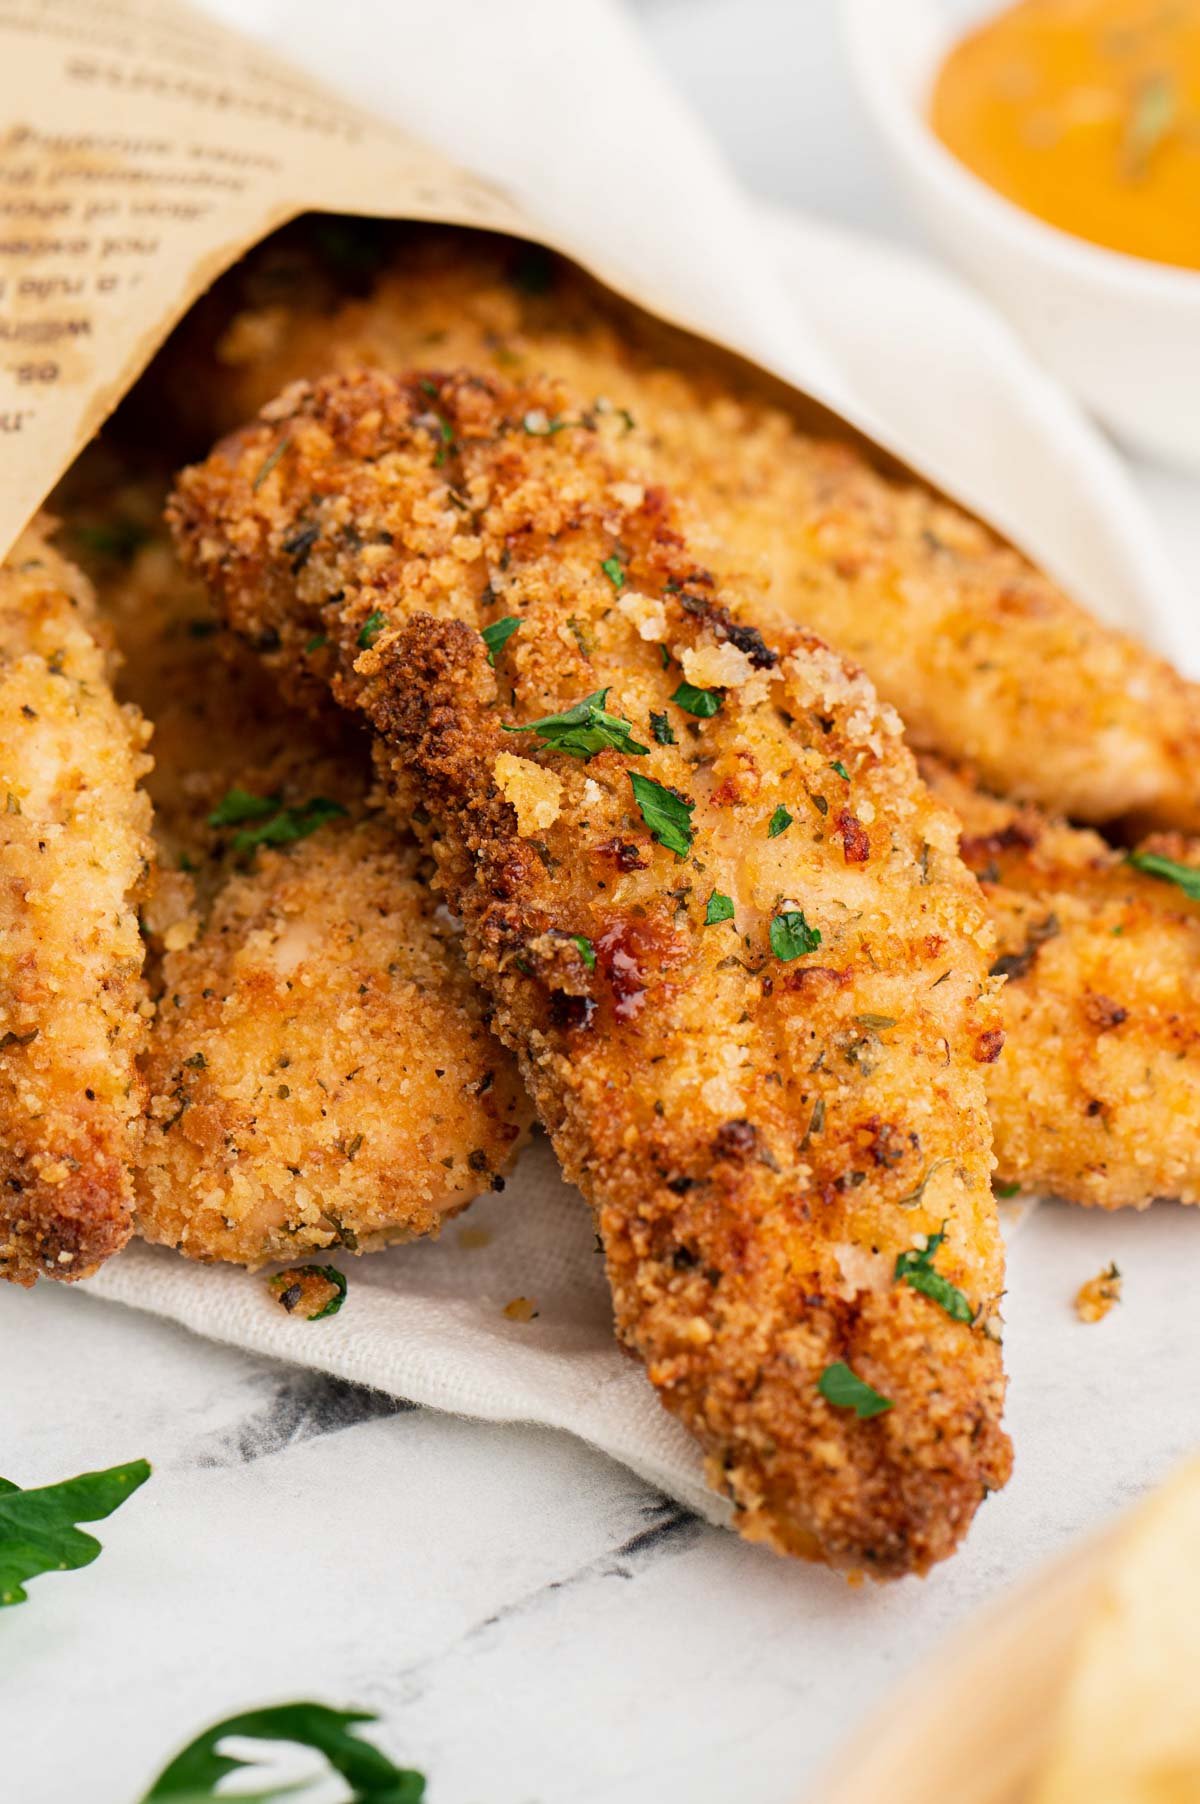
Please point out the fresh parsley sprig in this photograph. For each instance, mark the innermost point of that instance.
(842, 1386)
(38, 1530)
(667, 813)
(585, 729)
(915, 1268)
(497, 635)
(194, 1775)
(720, 908)
(791, 935)
(703, 703)
(272, 823)
(1186, 876)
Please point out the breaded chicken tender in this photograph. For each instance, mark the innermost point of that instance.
(987, 661)
(1097, 1095)
(74, 857)
(320, 1071)
(722, 923)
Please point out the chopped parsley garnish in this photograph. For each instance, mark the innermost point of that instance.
(720, 908)
(269, 464)
(276, 825)
(667, 814)
(702, 702)
(660, 726)
(792, 937)
(614, 569)
(585, 729)
(840, 768)
(842, 1387)
(665, 656)
(915, 1269)
(371, 628)
(779, 822)
(38, 1530)
(497, 636)
(317, 641)
(1154, 865)
(587, 951)
(239, 805)
(197, 1772)
(1004, 1191)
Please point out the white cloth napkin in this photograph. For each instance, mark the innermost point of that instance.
(560, 103)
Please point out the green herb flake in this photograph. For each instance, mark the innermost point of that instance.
(615, 571)
(195, 1774)
(841, 770)
(117, 539)
(1154, 865)
(915, 1269)
(269, 464)
(1005, 1191)
(660, 726)
(317, 643)
(667, 814)
(720, 908)
(842, 1387)
(370, 630)
(275, 824)
(239, 805)
(665, 656)
(792, 937)
(587, 951)
(704, 703)
(1152, 116)
(585, 729)
(294, 1287)
(779, 822)
(538, 424)
(38, 1530)
(497, 636)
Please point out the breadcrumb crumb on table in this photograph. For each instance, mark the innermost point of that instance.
(1094, 1299)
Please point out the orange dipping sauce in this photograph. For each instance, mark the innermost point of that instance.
(1087, 114)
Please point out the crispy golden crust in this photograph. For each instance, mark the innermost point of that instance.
(74, 856)
(760, 1138)
(1098, 1092)
(320, 1071)
(986, 659)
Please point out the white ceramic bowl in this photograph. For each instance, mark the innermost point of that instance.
(1123, 333)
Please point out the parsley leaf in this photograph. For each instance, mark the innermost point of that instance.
(660, 726)
(497, 636)
(702, 702)
(1006, 1190)
(614, 569)
(585, 729)
(841, 770)
(370, 630)
(37, 1528)
(1154, 865)
(119, 539)
(275, 825)
(195, 1773)
(915, 1269)
(846, 1390)
(779, 822)
(720, 908)
(239, 805)
(792, 937)
(667, 814)
(587, 951)
(294, 1286)
(538, 424)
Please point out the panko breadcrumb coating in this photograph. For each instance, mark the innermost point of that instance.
(74, 857)
(1097, 1096)
(320, 1071)
(985, 658)
(760, 1053)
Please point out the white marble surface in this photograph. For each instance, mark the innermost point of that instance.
(533, 1625)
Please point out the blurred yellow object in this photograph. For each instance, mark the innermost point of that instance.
(1087, 114)
(1129, 1723)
